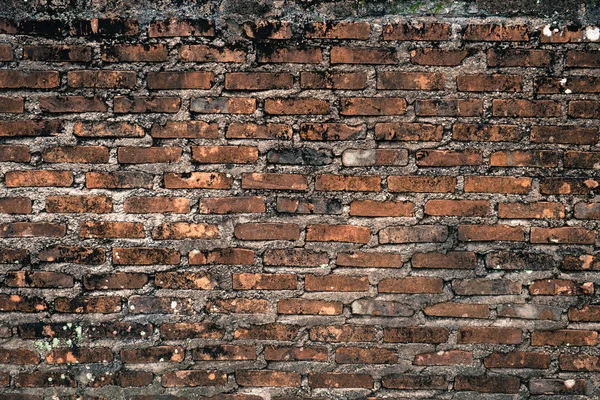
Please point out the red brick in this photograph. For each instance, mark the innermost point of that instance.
(12, 303)
(492, 335)
(267, 231)
(422, 184)
(415, 382)
(111, 229)
(430, 31)
(159, 305)
(451, 260)
(588, 313)
(144, 205)
(258, 81)
(330, 132)
(30, 128)
(567, 85)
(497, 184)
(102, 79)
(450, 357)
(229, 205)
(524, 158)
(415, 334)
(247, 281)
(333, 80)
(78, 204)
(185, 27)
(71, 104)
(274, 131)
(6, 52)
(448, 158)
(185, 230)
(180, 80)
(198, 180)
(11, 79)
(489, 83)
(564, 337)
(413, 234)
(338, 30)
(582, 59)
(486, 233)
(268, 29)
(272, 331)
(458, 310)
(76, 154)
(563, 235)
(153, 355)
(225, 154)
(296, 106)
(32, 229)
(579, 362)
(488, 384)
(151, 104)
(224, 353)
(73, 254)
(522, 108)
(363, 55)
(295, 258)
(411, 80)
(584, 109)
(14, 153)
(496, 33)
(115, 281)
(229, 256)
(107, 130)
(146, 155)
(577, 159)
(309, 307)
(18, 356)
(370, 260)
(411, 284)
(458, 208)
(339, 380)
(205, 53)
(395, 131)
(223, 105)
(338, 233)
(267, 378)
(12, 104)
(182, 279)
(348, 183)
(274, 181)
(357, 106)
(559, 287)
(39, 279)
(145, 256)
(373, 208)
(291, 55)
(118, 180)
(449, 108)
(568, 185)
(518, 359)
(134, 53)
(15, 205)
(64, 53)
(87, 305)
(38, 178)
(80, 356)
(540, 210)
(273, 353)
(438, 57)
(519, 58)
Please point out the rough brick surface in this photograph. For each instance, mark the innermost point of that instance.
(286, 208)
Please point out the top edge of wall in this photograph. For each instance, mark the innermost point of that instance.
(560, 11)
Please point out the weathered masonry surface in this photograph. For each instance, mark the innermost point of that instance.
(372, 208)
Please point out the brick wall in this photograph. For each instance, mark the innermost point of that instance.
(367, 209)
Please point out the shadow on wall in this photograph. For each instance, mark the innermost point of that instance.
(582, 11)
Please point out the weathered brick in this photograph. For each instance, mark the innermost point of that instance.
(38, 178)
(496, 32)
(486, 233)
(267, 231)
(267, 378)
(356, 106)
(225, 154)
(145, 155)
(411, 284)
(497, 184)
(78, 204)
(153, 104)
(564, 337)
(521, 108)
(14, 153)
(518, 359)
(458, 310)
(451, 260)
(415, 334)
(185, 27)
(134, 53)
(107, 130)
(438, 57)
(449, 108)
(223, 105)
(338, 30)
(330, 132)
(338, 233)
(291, 55)
(450, 357)
(180, 80)
(413, 234)
(258, 81)
(488, 384)
(15, 205)
(363, 55)
(268, 29)
(430, 31)
(101, 79)
(519, 58)
(567, 234)
(492, 335)
(145, 256)
(76, 154)
(205, 53)
(111, 229)
(373, 208)
(333, 80)
(415, 382)
(459, 208)
(541, 210)
(489, 83)
(339, 380)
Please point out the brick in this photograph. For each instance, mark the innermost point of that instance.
(12, 104)
(438, 57)
(118, 180)
(450, 357)
(184, 230)
(523, 158)
(144, 205)
(496, 33)
(411, 81)
(347, 183)
(309, 206)
(18, 356)
(11, 79)
(458, 208)
(225, 353)
(335, 283)
(159, 305)
(415, 334)
(567, 85)
(40, 379)
(489, 83)
(309, 307)
(342, 333)
(182, 330)
(417, 31)
(488, 384)
(229, 256)
(568, 185)
(268, 29)
(78, 204)
(146, 155)
(559, 287)
(413, 234)
(296, 106)
(32, 229)
(86, 305)
(458, 310)
(584, 109)
(16, 153)
(414, 382)
(581, 263)
(134, 53)
(18, 303)
(115, 281)
(104, 27)
(198, 180)
(497, 184)
(370, 260)
(338, 233)
(411, 284)
(229, 205)
(152, 104)
(541, 210)
(13, 256)
(205, 53)
(486, 133)
(492, 335)
(57, 53)
(422, 184)
(486, 233)
(485, 287)
(76, 154)
(274, 181)
(582, 59)
(333, 80)
(247, 281)
(258, 81)
(15, 205)
(39, 279)
(73, 254)
(107, 130)
(448, 158)
(573, 34)
(223, 105)
(38, 178)
(518, 359)
(519, 58)
(152, 355)
(255, 131)
(267, 231)
(295, 258)
(564, 337)
(30, 128)
(530, 311)
(224, 154)
(102, 79)
(281, 353)
(289, 55)
(559, 387)
(180, 80)
(521, 108)
(363, 55)
(6, 52)
(339, 380)
(124, 378)
(267, 378)
(515, 260)
(330, 132)
(186, 27)
(145, 256)
(394, 131)
(373, 208)
(80, 356)
(272, 331)
(357, 106)
(588, 313)
(574, 159)
(449, 260)
(239, 306)
(579, 362)
(381, 308)
(563, 235)
(338, 30)
(111, 229)
(301, 156)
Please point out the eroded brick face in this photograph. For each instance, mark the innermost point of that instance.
(362, 209)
